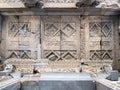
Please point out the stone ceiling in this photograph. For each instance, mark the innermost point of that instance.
(114, 4)
(55, 7)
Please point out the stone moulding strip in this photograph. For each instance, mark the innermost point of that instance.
(9, 82)
(109, 84)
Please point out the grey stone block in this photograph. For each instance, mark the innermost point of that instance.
(66, 85)
(66, 81)
(29, 85)
(113, 76)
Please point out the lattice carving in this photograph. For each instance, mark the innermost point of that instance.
(101, 55)
(21, 28)
(20, 54)
(98, 29)
(60, 54)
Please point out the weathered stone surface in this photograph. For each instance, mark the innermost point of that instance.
(11, 4)
(23, 65)
(88, 38)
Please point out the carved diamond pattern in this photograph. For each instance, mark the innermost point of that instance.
(106, 29)
(100, 29)
(51, 30)
(68, 30)
(95, 29)
(21, 28)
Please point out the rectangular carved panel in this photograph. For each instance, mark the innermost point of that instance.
(99, 34)
(59, 38)
(19, 34)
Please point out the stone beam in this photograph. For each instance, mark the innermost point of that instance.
(58, 3)
(81, 11)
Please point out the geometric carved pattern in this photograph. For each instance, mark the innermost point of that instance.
(101, 55)
(21, 28)
(63, 34)
(63, 38)
(106, 29)
(98, 29)
(95, 29)
(51, 30)
(59, 54)
(23, 54)
(68, 30)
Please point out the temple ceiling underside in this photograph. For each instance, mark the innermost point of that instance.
(59, 7)
(112, 4)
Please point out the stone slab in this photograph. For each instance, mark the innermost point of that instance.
(65, 77)
(66, 85)
(66, 81)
